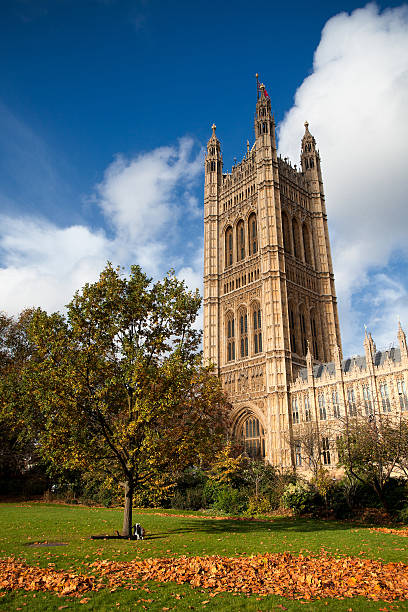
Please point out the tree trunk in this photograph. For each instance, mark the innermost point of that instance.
(127, 512)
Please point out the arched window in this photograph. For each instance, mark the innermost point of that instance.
(313, 325)
(228, 247)
(253, 438)
(292, 331)
(256, 319)
(307, 245)
(286, 233)
(322, 407)
(243, 333)
(303, 335)
(240, 241)
(230, 338)
(296, 239)
(253, 234)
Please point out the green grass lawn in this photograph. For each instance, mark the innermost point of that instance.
(22, 524)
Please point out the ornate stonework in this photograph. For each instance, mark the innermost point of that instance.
(269, 295)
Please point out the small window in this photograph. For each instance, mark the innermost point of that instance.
(257, 330)
(385, 398)
(307, 408)
(326, 451)
(336, 405)
(298, 454)
(231, 339)
(367, 400)
(322, 407)
(351, 399)
(295, 411)
(402, 394)
(243, 327)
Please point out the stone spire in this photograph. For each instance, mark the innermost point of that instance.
(309, 158)
(402, 341)
(369, 348)
(264, 119)
(214, 157)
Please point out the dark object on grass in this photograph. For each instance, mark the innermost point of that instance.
(138, 531)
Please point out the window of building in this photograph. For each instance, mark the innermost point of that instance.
(228, 247)
(285, 231)
(240, 241)
(351, 400)
(303, 333)
(243, 328)
(295, 411)
(307, 408)
(292, 331)
(326, 451)
(298, 454)
(314, 337)
(253, 438)
(367, 400)
(306, 244)
(385, 398)
(253, 234)
(296, 239)
(336, 405)
(402, 394)
(231, 339)
(322, 407)
(257, 330)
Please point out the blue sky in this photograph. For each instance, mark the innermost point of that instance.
(105, 106)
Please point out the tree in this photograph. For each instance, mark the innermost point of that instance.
(372, 449)
(16, 447)
(119, 384)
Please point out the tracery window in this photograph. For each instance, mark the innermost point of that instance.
(292, 331)
(295, 411)
(351, 398)
(298, 454)
(303, 333)
(336, 405)
(322, 407)
(228, 247)
(326, 451)
(286, 234)
(296, 239)
(385, 398)
(306, 244)
(307, 408)
(402, 394)
(243, 330)
(367, 400)
(256, 314)
(240, 241)
(253, 234)
(253, 438)
(314, 336)
(230, 338)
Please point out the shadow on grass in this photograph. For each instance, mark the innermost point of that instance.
(284, 526)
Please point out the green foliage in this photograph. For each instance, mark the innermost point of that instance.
(371, 449)
(299, 497)
(231, 501)
(403, 514)
(259, 505)
(116, 387)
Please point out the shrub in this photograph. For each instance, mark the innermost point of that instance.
(231, 501)
(299, 497)
(403, 515)
(259, 505)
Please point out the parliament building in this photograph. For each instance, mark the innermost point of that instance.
(271, 325)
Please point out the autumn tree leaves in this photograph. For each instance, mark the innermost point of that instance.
(116, 385)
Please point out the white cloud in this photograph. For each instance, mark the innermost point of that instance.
(145, 200)
(355, 101)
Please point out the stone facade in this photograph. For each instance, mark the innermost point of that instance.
(270, 312)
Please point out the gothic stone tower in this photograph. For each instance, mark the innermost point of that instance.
(268, 281)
